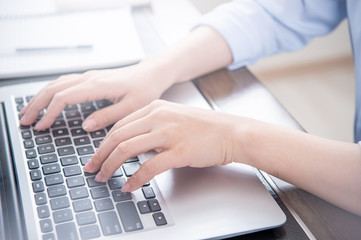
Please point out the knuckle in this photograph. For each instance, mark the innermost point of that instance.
(123, 148)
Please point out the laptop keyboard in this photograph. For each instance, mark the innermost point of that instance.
(70, 203)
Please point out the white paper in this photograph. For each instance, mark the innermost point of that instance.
(111, 33)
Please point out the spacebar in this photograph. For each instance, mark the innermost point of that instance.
(129, 216)
(66, 231)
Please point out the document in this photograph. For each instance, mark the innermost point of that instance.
(68, 42)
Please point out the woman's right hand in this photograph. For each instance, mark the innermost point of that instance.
(129, 88)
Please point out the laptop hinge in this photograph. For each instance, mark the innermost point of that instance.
(12, 222)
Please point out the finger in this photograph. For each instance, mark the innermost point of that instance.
(73, 95)
(41, 100)
(141, 113)
(109, 115)
(115, 138)
(149, 169)
(125, 150)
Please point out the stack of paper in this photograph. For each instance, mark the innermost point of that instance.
(67, 42)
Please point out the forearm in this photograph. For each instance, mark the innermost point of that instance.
(202, 51)
(326, 168)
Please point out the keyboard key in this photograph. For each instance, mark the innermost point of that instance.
(85, 218)
(38, 186)
(43, 139)
(71, 107)
(33, 164)
(19, 100)
(43, 211)
(58, 123)
(62, 141)
(35, 175)
(19, 107)
(72, 114)
(143, 207)
(148, 192)
(154, 205)
(59, 203)
(85, 150)
(62, 216)
(63, 151)
(115, 183)
(89, 232)
(51, 168)
(66, 231)
(72, 171)
(75, 181)
(81, 141)
(133, 159)
(28, 143)
(129, 216)
(30, 153)
(50, 158)
(53, 179)
(103, 204)
(92, 183)
(78, 193)
(69, 160)
(26, 134)
(117, 173)
(98, 134)
(40, 198)
(99, 192)
(36, 132)
(109, 223)
(97, 142)
(75, 123)
(46, 149)
(49, 236)
(119, 196)
(109, 127)
(60, 132)
(46, 226)
(103, 103)
(85, 159)
(28, 98)
(159, 219)
(82, 205)
(78, 132)
(56, 191)
(88, 108)
(131, 168)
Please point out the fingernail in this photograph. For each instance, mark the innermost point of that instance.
(39, 125)
(126, 187)
(100, 177)
(89, 124)
(24, 119)
(88, 167)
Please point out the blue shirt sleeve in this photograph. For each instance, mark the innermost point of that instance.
(258, 28)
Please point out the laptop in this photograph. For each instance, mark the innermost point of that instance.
(46, 195)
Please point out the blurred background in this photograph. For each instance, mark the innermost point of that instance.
(316, 84)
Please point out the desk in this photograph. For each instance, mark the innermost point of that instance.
(229, 91)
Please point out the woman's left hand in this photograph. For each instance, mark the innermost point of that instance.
(181, 136)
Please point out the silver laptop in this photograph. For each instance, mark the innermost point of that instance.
(46, 195)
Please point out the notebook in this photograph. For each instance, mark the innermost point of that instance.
(52, 43)
(46, 195)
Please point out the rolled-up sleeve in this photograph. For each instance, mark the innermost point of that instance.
(258, 28)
